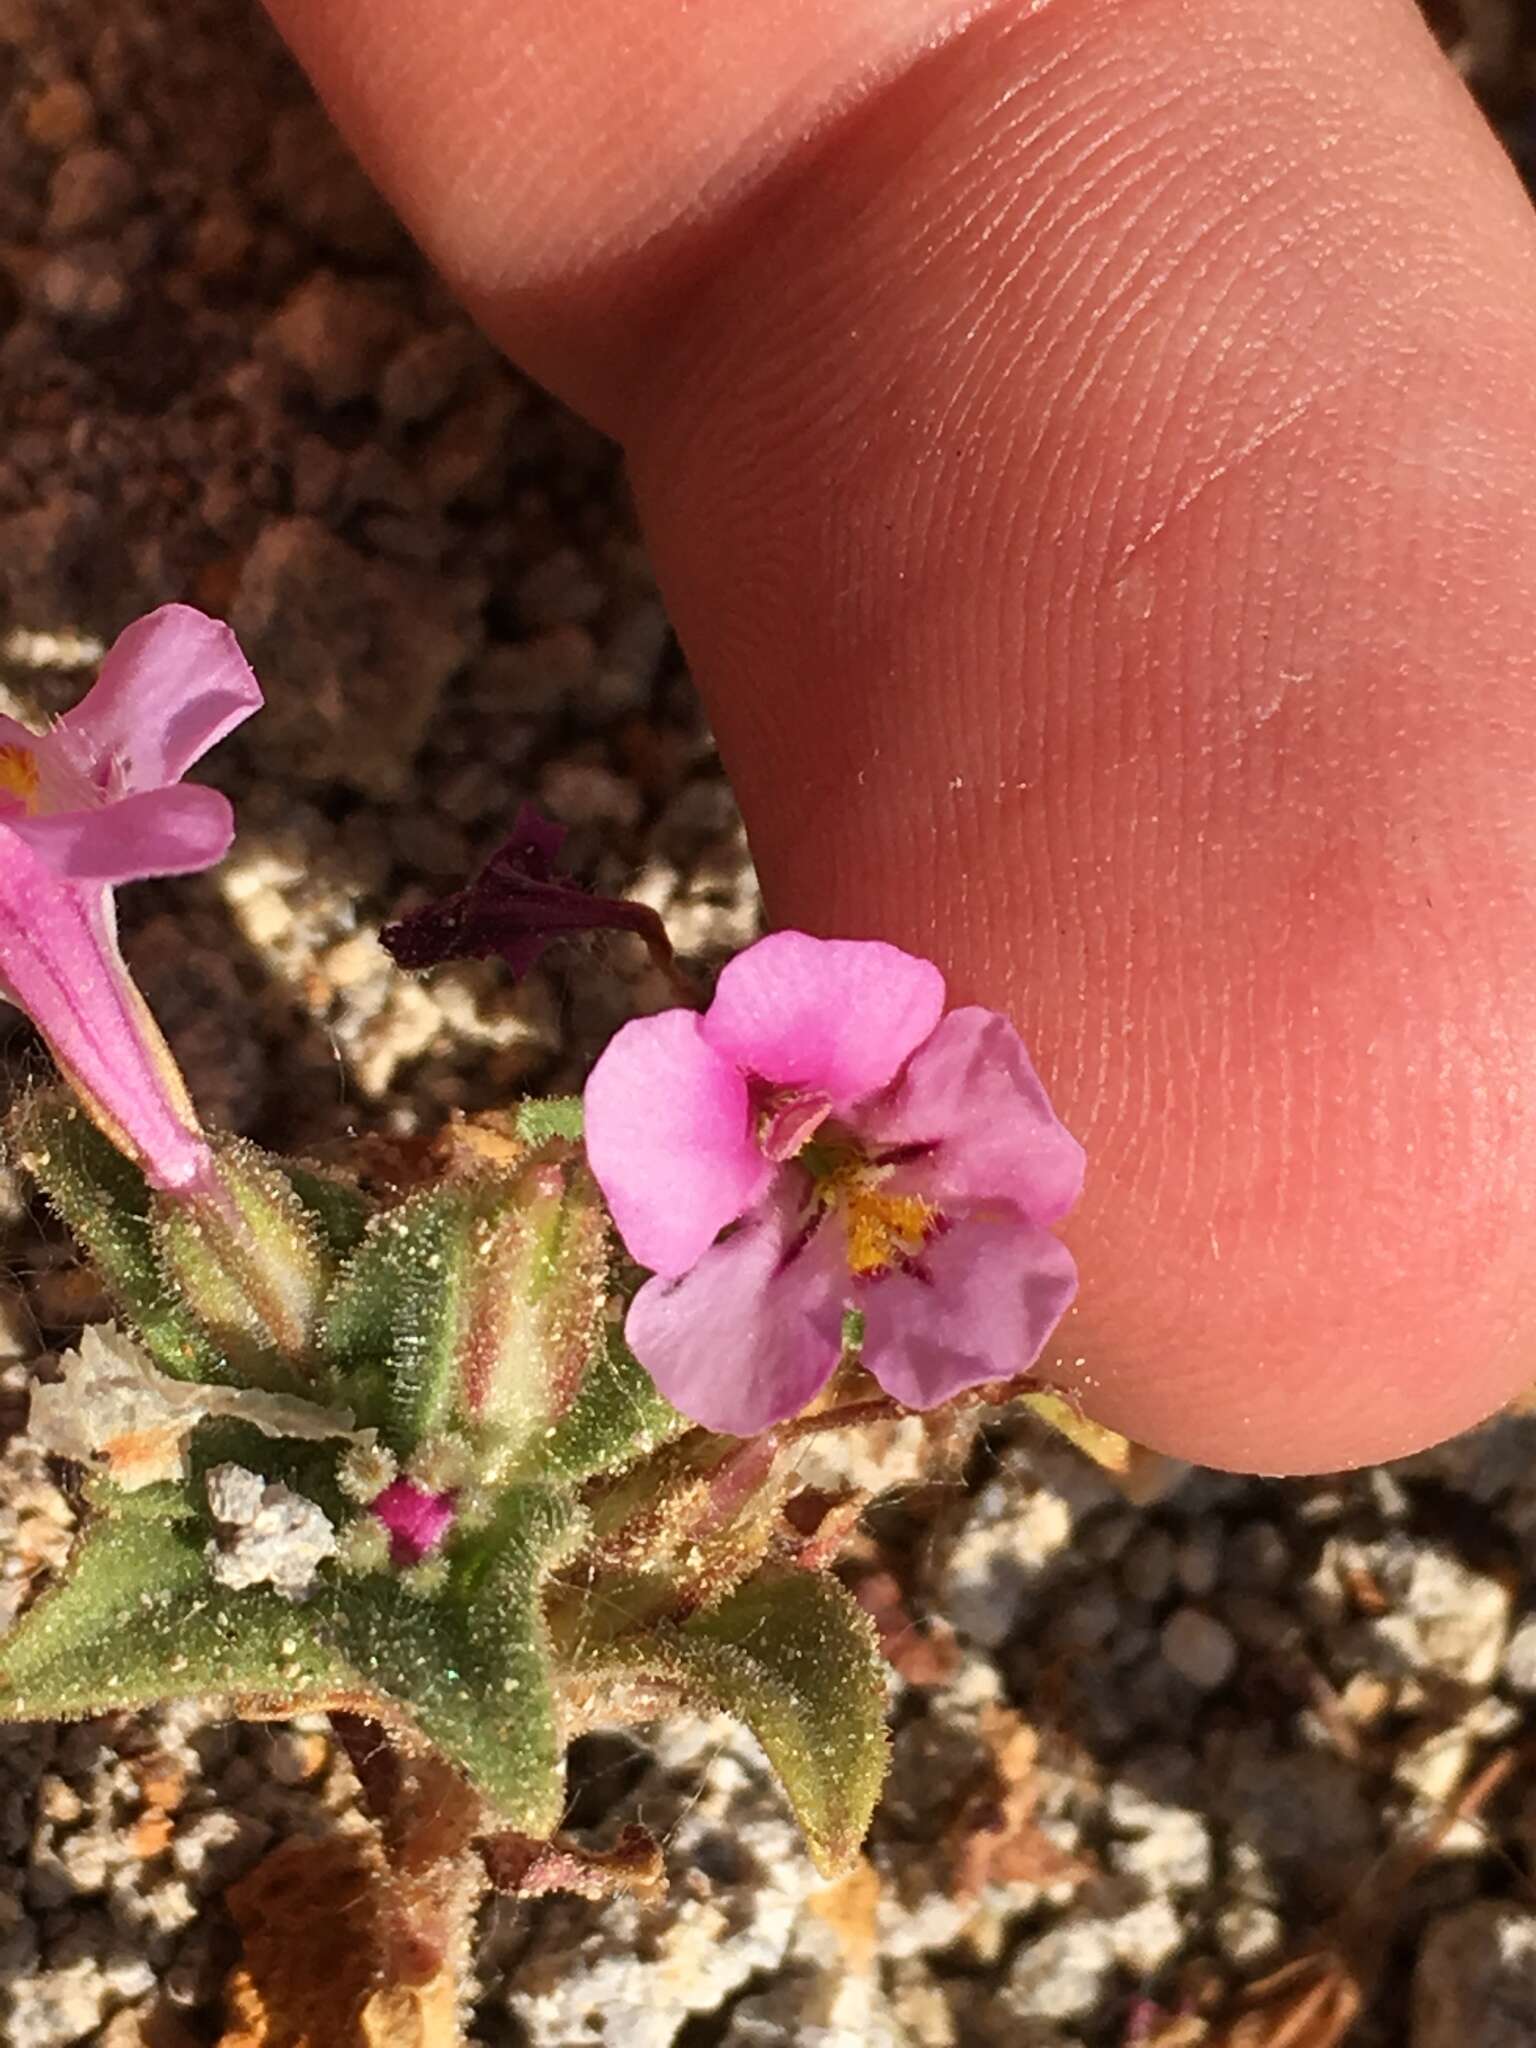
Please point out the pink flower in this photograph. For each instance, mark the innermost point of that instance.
(95, 801)
(417, 1520)
(872, 1153)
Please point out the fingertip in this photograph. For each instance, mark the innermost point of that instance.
(1095, 500)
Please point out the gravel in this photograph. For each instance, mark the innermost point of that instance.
(1142, 1755)
(1475, 1979)
(1199, 1647)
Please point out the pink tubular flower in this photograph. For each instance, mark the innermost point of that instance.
(872, 1153)
(95, 801)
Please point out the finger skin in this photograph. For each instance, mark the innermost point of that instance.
(1086, 454)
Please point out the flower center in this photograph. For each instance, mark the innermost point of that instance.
(883, 1230)
(19, 777)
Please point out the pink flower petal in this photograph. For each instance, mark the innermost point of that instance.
(971, 1099)
(789, 1122)
(754, 1330)
(176, 831)
(986, 1295)
(417, 1520)
(172, 685)
(60, 962)
(669, 1137)
(835, 1017)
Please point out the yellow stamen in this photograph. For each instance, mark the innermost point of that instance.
(18, 774)
(883, 1229)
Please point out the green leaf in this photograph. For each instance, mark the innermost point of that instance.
(391, 1332)
(793, 1656)
(470, 1663)
(616, 1418)
(136, 1619)
(106, 1203)
(551, 1116)
(163, 1500)
(340, 1211)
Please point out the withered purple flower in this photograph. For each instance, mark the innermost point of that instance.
(515, 907)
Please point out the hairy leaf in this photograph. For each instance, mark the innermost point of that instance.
(390, 1334)
(136, 1619)
(551, 1116)
(796, 1658)
(469, 1663)
(793, 1656)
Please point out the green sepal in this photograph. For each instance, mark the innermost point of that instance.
(136, 1619)
(703, 1513)
(249, 1262)
(105, 1200)
(532, 1309)
(469, 1662)
(390, 1333)
(616, 1418)
(551, 1116)
(472, 1309)
(793, 1656)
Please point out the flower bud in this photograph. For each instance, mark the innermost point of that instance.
(531, 1307)
(245, 1256)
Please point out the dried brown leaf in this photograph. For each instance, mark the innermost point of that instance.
(921, 1656)
(1310, 2003)
(995, 1838)
(849, 1907)
(1314, 2000)
(326, 1961)
(522, 1865)
(114, 1407)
